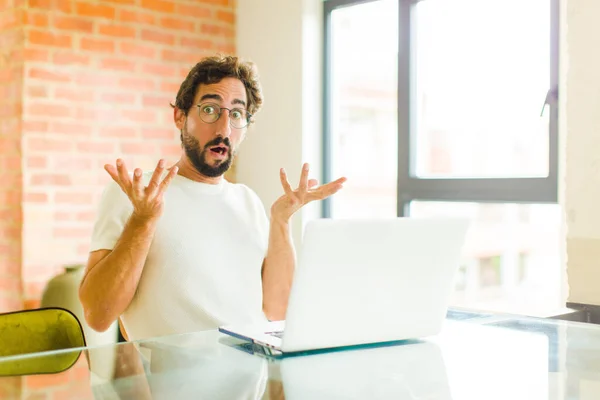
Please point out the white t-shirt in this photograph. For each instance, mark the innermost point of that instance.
(204, 265)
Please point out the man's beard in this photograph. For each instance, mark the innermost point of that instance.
(197, 155)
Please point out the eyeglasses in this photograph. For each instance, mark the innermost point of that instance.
(210, 113)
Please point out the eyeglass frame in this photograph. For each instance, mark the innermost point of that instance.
(248, 115)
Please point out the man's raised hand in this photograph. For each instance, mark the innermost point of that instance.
(147, 200)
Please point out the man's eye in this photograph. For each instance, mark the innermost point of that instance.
(208, 110)
(236, 114)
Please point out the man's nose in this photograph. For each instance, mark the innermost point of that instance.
(223, 124)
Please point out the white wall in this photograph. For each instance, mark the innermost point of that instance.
(284, 39)
(582, 123)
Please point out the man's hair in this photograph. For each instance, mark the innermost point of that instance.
(212, 70)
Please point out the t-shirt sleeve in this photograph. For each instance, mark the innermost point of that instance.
(112, 214)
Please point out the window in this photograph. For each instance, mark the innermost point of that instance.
(449, 107)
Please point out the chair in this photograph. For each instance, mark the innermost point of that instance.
(35, 331)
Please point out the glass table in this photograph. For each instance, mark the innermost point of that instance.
(476, 356)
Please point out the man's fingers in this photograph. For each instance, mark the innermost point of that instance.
(312, 183)
(123, 175)
(165, 182)
(158, 171)
(112, 171)
(326, 190)
(303, 185)
(138, 186)
(284, 181)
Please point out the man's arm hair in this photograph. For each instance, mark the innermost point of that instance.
(112, 276)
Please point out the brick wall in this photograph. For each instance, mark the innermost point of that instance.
(83, 82)
(11, 98)
(99, 77)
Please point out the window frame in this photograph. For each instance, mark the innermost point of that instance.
(409, 187)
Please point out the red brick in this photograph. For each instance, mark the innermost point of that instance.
(168, 150)
(158, 37)
(137, 50)
(217, 30)
(192, 10)
(10, 198)
(157, 101)
(119, 132)
(50, 179)
(73, 198)
(46, 38)
(119, 97)
(36, 55)
(71, 129)
(43, 4)
(226, 16)
(159, 69)
(97, 45)
(167, 134)
(138, 148)
(86, 9)
(31, 304)
(159, 5)
(49, 76)
(121, 2)
(95, 79)
(11, 163)
(74, 95)
(137, 84)
(181, 56)
(37, 19)
(136, 17)
(37, 162)
(10, 19)
(77, 24)
(87, 216)
(35, 126)
(170, 87)
(96, 147)
(96, 114)
(141, 116)
(117, 64)
(67, 58)
(65, 6)
(72, 162)
(44, 144)
(177, 24)
(192, 42)
(36, 197)
(117, 31)
(216, 2)
(12, 284)
(49, 110)
(37, 91)
(225, 48)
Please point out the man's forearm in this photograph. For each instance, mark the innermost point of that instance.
(278, 270)
(108, 287)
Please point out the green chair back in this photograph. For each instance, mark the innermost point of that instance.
(30, 332)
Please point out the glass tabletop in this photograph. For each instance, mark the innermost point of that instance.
(476, 356)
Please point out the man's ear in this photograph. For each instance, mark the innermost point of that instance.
(179, 118)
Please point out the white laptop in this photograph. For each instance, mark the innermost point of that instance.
(362, 281)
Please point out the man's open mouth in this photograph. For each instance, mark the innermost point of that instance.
(219, 150)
